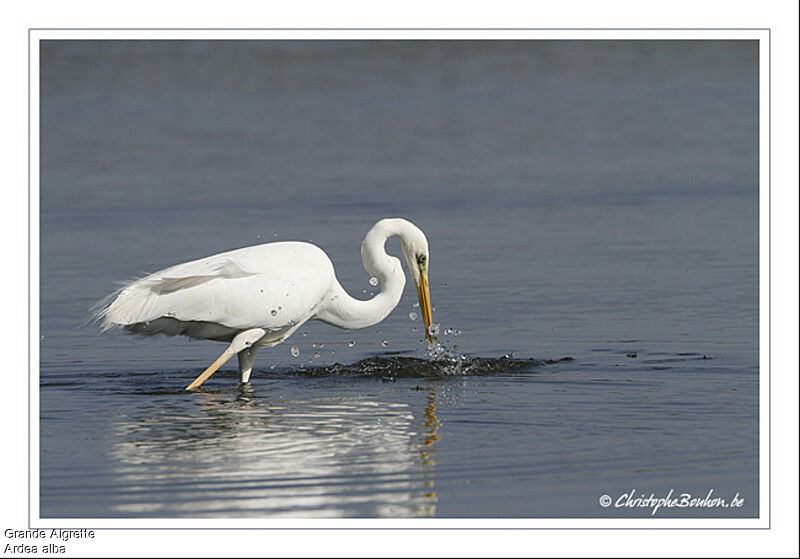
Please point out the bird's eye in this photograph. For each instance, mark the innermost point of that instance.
(422, 258)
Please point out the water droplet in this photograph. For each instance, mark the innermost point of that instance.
(384, 343)
(321, 345)
(295, 351)
(447, 331)
(415, 305)
(433, 329)
(412, 315)
(351, 344)
(414, 329)
(273, 312)
(333, 352)
(316, 355)
(305, 334)
(373, 281)
(313, 344)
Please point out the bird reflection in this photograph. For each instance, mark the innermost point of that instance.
(431, 435)
(245, 454)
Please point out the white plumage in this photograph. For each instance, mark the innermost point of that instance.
(258, 296)
(217, 296)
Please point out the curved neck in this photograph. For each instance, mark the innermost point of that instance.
(344, 311)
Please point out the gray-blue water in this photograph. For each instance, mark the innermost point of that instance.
(586, 200)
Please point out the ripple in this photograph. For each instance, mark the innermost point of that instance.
(387, 365)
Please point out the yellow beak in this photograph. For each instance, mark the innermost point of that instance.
(425, 302)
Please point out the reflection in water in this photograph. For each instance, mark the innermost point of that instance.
(254, 456)
(429, 439)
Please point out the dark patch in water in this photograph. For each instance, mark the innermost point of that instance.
(391, 367)
(562, 360)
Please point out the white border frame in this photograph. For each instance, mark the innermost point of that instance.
(765, 94)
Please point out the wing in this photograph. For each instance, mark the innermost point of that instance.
(272, 286)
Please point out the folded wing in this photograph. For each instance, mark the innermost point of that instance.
(270, 286)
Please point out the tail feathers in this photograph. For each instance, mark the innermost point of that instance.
(129, 304)
(139, 300)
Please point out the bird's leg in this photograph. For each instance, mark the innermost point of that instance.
(246, 358)
(242, 341)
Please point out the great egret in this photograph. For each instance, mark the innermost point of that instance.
(260, 295)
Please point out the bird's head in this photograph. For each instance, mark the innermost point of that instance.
(415, 249)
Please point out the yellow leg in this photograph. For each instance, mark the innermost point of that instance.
(243, 340)
(221, 360)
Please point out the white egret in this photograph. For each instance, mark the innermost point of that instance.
(260, 295)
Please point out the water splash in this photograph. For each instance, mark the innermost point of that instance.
(447, 356)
